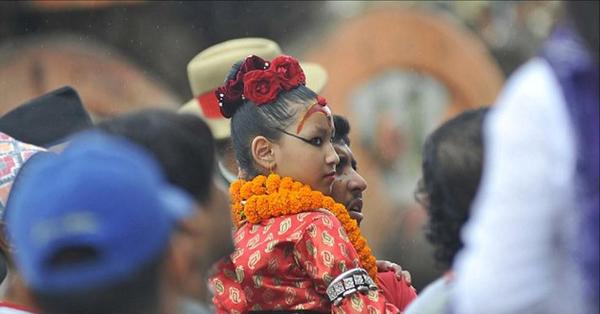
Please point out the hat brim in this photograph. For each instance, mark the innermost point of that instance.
(178, 204)
(316, 78)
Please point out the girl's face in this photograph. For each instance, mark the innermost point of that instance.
(305, 151)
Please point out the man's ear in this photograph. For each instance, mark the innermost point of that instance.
(262, 152)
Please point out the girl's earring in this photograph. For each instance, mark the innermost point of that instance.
(272, 164)
(271, 168)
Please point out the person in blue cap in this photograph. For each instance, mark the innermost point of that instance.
(92, 228)
(185, 149)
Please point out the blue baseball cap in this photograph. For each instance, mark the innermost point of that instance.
(103, 193)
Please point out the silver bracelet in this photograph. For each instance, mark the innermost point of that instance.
(349, 282)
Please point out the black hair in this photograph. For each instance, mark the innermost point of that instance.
(136, 294)
(182, 143)
(342, 129)
(452, 165)
(249, 120)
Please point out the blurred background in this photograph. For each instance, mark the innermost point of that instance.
(396, 70)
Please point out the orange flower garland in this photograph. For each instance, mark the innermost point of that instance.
(267, 197)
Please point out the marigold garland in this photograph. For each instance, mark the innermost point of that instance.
(267, 197)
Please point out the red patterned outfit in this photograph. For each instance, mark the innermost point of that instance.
(286, 263)
(290, 255)
(396, 291)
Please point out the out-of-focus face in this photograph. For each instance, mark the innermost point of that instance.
(348, 186)
(228, 167)
(210, 233)
(305, 152)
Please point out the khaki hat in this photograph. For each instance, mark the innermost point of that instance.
(208, 69)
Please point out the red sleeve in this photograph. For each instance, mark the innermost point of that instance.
(228, 296)
(396, 291)
(324, 252)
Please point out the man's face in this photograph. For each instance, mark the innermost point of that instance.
(210, 233)
(226, 158)
(348, 185)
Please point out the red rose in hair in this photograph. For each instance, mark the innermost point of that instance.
(289, 70)
(232, 90)
(251, 63)
(261, 87)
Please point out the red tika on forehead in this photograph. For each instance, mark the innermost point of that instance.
(319, 106)
(321, 100)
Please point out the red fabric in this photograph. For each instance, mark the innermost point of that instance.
(230, 94)
(210, 105)
(261, 87)
(396, 291)
(290, 73)
(286, 263)
(23, 308)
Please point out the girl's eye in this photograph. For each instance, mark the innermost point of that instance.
(316, 141)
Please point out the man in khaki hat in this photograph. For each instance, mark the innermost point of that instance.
(207, 71)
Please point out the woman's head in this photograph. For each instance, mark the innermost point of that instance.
(278, 124)
(452, 163)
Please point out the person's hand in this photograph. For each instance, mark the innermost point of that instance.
(389, 266)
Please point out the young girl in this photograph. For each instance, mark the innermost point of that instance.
(297, 250)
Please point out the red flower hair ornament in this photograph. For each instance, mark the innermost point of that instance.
(260, 82)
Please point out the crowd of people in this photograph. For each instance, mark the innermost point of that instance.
(248, 199)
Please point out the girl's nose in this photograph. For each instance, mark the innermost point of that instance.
(332, 157)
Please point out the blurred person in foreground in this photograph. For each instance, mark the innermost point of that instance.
(452, 163)
(348, 188)
(14, 295)
(206, 72)
(531, 245)
(185, 149)
(26, 131)
(92, 228)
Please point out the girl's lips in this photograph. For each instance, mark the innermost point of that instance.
(329, 176)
